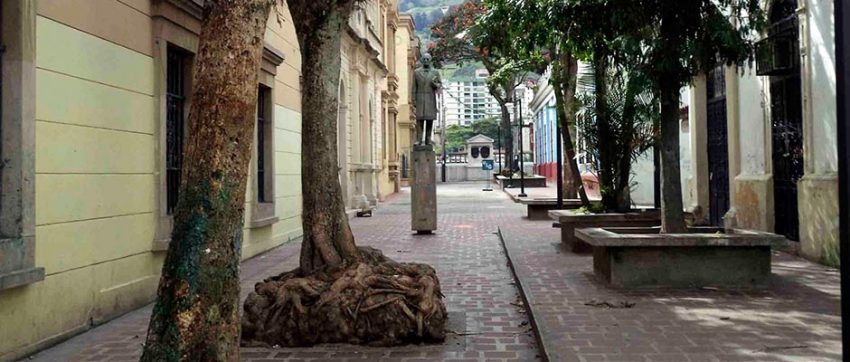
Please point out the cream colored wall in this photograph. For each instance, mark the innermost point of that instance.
(96, 136)
(404, 72)
(287, 145)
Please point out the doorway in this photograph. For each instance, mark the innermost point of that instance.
(718, 146)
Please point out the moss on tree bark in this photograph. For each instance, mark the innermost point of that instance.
(196, 315)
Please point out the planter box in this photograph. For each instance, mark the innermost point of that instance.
(704, 257)
(530, 181)
(538, 209)
(569, 221)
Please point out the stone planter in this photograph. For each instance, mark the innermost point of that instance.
(538, 209)
(569, 221)
(530, 181)
(703, 257)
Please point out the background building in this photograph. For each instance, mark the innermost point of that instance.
(465, 100)
(407, 55)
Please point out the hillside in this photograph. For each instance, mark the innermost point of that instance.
(425, 13)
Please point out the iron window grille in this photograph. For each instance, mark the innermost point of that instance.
(778, 53)
(262, 98)
(176, 76)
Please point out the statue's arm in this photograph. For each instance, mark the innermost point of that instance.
(438, 82)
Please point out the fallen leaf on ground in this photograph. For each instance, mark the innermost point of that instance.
(606, 304)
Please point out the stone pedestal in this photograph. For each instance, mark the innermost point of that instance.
(424, 190)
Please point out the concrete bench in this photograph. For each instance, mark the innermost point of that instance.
(569, 221)
(704, 257)
(538, 209)
(530, 181)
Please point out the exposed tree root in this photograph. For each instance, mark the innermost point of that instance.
(374, 301)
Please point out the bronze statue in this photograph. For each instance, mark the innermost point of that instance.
(426, 83)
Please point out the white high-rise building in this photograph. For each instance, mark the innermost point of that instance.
(468, 100)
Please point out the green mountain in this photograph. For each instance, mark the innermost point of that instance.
(425, 13)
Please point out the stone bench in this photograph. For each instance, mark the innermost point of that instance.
(530, 181)
(538, 209)
(704, 257)
(569, 221)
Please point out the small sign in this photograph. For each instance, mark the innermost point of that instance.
(487, 165)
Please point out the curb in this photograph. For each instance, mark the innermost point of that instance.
(528, 307)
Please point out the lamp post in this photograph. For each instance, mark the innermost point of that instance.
(518, 99)
(842, 51)
(499, 146)
(443, 134)
(559, 165)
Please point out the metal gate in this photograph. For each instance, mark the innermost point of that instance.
(718, 148)
(779, 59)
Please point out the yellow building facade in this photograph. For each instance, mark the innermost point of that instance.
(368, 97)
(95, 95)
(406, 56)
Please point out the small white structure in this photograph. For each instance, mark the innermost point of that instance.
(478, 149)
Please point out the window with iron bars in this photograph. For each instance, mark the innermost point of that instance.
(262, 131)
(176, 91)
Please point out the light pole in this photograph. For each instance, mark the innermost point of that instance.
(499, 146)
(443, 134)
(842, 51)
(518, 99)
(559, 165)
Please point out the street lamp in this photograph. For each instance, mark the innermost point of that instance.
(842, 47)
(518, 93)
(499, 146)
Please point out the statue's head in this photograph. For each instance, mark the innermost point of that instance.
(426, 60)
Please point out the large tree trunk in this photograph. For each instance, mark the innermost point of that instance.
(196, 315)
(328, 240)
(340, 293)
(565, 71)
(672, 216)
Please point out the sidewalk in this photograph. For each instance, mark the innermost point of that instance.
(480, 294)
(796, 318)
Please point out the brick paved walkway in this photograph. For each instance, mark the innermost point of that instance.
(466, 251)
(797, 318)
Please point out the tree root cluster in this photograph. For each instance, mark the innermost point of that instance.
(373, 301)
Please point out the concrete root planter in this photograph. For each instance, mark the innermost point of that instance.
(703, 257)
(538, 209)
(530, 181)
(569, 221)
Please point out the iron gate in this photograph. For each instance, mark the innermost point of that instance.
(781, 63)
(718, 149)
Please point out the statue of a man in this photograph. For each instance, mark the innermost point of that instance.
(426, 83)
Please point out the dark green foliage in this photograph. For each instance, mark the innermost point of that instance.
(456, 136)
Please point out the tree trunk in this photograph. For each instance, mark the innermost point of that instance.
(196, 315)
(605, 139)
(625, 145)
(340, 293)
(565, 71)
(672, 216)
(328, 240)
(507, 133)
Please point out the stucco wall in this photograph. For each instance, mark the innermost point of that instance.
(96, 170)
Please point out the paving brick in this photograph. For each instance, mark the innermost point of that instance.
(465, 251)
(799, 307)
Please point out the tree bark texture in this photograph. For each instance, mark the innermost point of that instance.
(340, 293)
(672, 216)
(328, 240)
(565, 71)
(196, 315)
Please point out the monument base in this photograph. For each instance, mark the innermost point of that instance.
(424, 190)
